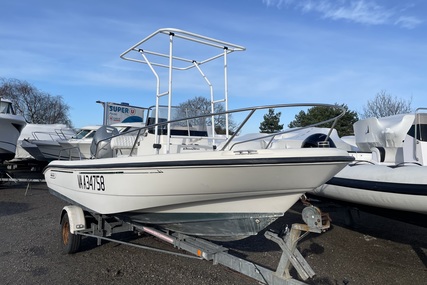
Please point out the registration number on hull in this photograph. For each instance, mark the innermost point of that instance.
(91, 182)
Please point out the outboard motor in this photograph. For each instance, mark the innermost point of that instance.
(100, 147)
(317, 140)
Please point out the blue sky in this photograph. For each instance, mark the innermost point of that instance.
(343, 51)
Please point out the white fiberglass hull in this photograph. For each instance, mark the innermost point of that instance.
(401, 188)
(50, 150)
(116, 185)
(221, 186)
(10, 129)
(77, 148)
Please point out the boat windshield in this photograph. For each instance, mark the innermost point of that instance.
(421, 132)
(6, 108)
(194, 127)
(85, 134)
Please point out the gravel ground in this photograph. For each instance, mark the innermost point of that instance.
(375, 250)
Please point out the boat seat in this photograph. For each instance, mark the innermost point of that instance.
(387, 155)
(121, 143)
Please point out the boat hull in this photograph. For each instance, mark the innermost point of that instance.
(50, 150)
(402, 188)
(148, 183)
(77, 148)
(10, 129)
(32, 150)
(213, 226)
(208, 183)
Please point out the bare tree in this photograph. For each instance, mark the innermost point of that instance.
(384, 105)
(36, 106)
(202, 106)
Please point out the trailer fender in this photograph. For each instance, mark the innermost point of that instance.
(76, 218)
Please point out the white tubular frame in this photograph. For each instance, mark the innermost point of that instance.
(187, 64)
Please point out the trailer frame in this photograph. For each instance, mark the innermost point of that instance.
(81, 223)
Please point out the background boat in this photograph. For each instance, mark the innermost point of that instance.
(395, 177)
(11, 126)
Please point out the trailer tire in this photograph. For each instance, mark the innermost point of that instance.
(70, 243)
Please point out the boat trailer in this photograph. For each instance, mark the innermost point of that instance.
(73, 227)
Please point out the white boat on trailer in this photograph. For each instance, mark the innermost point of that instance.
(395, 178)
(229, 194)
(205, 186)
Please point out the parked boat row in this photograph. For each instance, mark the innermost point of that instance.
(48, 142)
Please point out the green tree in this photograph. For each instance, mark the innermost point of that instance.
(318, 114)
(384, 105)
(36, 106)
(271, 123)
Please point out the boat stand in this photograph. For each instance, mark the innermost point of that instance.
(316, 222)
(7, 173)
(21, 180)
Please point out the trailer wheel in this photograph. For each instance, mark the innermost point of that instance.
(70, 243)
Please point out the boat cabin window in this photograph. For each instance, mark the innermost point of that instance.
(6, 108)
(421, 132)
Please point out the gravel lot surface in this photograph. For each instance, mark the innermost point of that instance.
(375, 250)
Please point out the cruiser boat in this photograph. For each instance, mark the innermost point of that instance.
(65, 143)
(394, 177)
(11, 126)
(77, 147)
(41, 141)
(188, 180)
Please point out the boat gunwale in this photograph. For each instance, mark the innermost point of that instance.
(205, 162)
